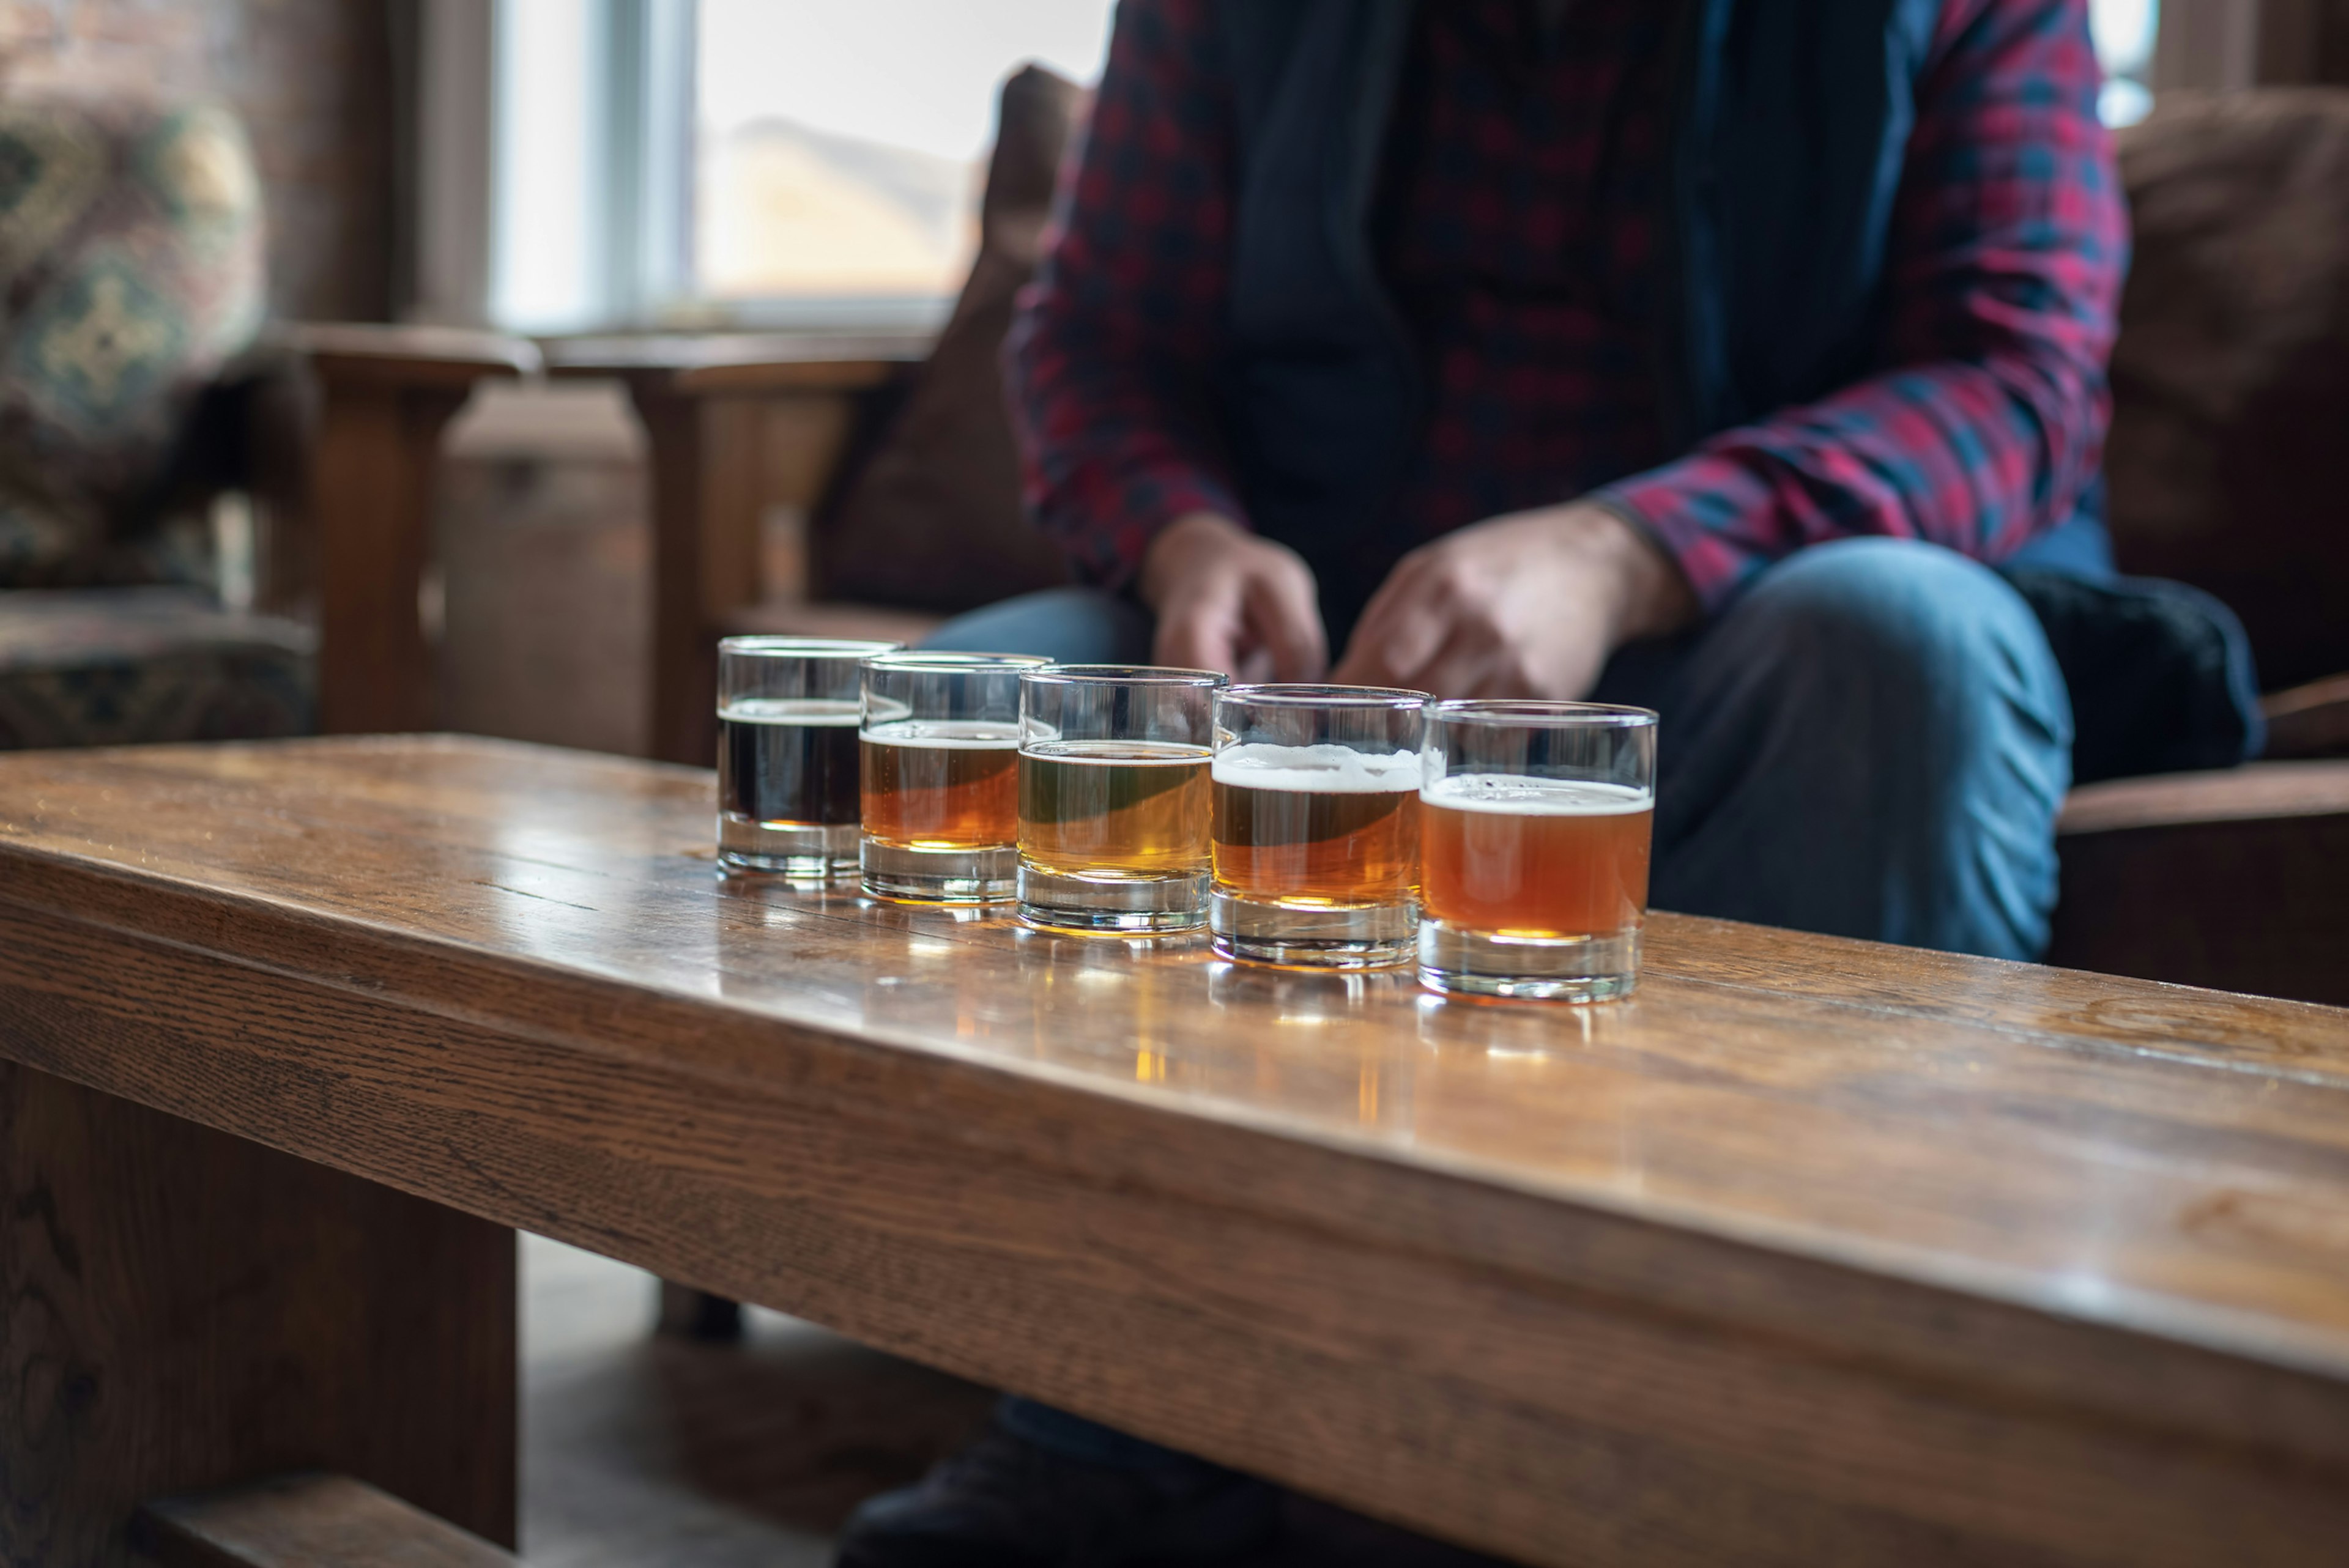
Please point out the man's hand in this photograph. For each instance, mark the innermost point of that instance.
(1528, 605)
(1229, 601)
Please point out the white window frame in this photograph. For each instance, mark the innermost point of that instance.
(633, 257)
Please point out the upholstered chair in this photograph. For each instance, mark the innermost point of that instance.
(202, 512)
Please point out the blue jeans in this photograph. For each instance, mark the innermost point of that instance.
(1872, 741)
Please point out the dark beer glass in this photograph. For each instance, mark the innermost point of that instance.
(1535, 822)
(941, 791)
(1113, 798)
(1316, 825)
(788, 711)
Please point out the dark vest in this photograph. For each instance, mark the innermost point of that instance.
(1791, 122)
(1790, 125)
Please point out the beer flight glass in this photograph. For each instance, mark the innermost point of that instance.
(1534, 825)
(941, 750)
(1316, 825)
(788, 714)
(1114, 796)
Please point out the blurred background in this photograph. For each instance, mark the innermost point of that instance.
(609, 183)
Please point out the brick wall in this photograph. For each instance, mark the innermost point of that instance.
(310, 78)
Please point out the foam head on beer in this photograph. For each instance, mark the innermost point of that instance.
(1320, 823)
(1535, 857)
(1536, 820)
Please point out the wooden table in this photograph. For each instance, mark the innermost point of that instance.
(1816, 1253)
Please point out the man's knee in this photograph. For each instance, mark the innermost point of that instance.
(1874, 742)
(1933, 650)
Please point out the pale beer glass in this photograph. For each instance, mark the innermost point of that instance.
(1316, 831)
(1535, 826)
(941, 776)
(1113, 797)
(788, 709)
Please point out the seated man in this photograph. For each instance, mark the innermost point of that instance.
(1705, 355)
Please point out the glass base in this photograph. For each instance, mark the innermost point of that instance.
(1311, 936)
(1551, 969)
(1111, 902)
(797, 852)
(940, 876)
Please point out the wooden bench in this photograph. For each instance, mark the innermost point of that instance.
(305, 1520)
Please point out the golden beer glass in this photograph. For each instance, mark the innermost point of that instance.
(1536, 823)
(1316, 829)
(941, 776)
(788, 709)
(1113, 797)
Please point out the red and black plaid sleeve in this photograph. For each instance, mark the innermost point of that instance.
(1987, 419)
(1110, 359)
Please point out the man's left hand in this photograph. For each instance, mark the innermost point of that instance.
(1528, 604)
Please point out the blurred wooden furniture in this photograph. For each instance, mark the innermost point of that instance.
(209, 528)
(305, 1520)
(1817, 1251)
(384, 393)
(896, 452)
(735, 423)
(2207, 879)
(2226, 469)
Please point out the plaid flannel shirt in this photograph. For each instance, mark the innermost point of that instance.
(1515, 226)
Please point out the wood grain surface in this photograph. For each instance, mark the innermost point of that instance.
(310, 1520)
(1815, 1252)
(182, 1309)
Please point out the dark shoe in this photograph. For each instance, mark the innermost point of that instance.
(1005, 1502)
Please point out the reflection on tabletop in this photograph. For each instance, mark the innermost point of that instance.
(1366, 1049)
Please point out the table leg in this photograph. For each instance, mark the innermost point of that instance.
(182, 1309)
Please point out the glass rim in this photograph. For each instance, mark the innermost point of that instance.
(946, 661)
(1310, 694)
(1540, 712)
(766, 646)
(1124, 675)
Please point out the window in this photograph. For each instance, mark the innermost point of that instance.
(762, 162)
(2124, 32)
(842, 147)
(590, 108)
(804, 163)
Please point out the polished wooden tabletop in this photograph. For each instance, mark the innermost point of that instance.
(1828, 1248)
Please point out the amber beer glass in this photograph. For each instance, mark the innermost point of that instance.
(941, 748)
(1113, 798)
(788, 709)
(1534, 825)
(1316, 829)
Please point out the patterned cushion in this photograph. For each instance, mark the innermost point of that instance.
(130, 273)
(132, 665)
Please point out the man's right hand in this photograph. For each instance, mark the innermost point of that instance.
(1227, 599)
